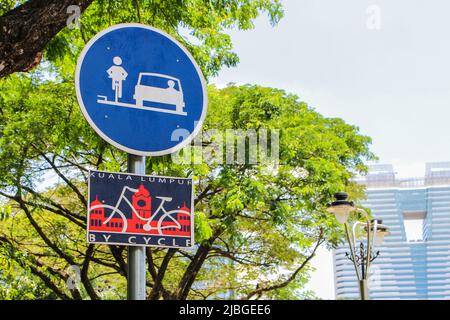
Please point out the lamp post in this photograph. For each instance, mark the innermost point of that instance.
(361, 254)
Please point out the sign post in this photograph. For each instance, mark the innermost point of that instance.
(136, 255)
(142, 92)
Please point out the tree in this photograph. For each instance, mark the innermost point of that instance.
(30, 29)
(257, 225)
(252, 220)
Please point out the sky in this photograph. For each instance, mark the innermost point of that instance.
(381, 65)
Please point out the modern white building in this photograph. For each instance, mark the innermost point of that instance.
(414, 260)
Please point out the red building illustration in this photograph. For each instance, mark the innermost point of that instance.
(142, 203)
(97, 219)
(184, 220)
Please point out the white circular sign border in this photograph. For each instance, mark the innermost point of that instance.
(100, 132)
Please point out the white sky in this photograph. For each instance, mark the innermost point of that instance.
(392, 82)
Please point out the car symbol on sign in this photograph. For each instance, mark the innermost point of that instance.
(169, 95)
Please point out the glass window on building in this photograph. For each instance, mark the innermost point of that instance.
(414, 225)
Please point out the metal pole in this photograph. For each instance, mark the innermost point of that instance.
(352, 246)
(363, 290)
(369, 247)
(136, 255)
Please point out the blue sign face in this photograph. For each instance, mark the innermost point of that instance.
(140, 90)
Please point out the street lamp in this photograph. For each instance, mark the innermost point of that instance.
(374, 233)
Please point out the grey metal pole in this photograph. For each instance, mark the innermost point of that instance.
(136, 255)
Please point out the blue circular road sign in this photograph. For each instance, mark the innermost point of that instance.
(140, 90)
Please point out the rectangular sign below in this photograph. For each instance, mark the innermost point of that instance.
(140, 210)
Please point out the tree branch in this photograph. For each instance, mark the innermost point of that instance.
(34, 270)
(53, 203)
(155, 293)
(27, 29)
(66, 180)
(219, 252)
(84, 273)
(151, 265)
(260, 290)
(45, 207)
(117, 254)
(195, 265)
(41, 233)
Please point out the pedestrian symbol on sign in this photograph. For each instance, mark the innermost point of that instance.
(117, 74)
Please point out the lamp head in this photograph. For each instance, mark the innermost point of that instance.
(382, 231)
(341, 207)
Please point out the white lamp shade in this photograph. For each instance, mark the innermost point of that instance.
(379, 237)
(341, 212)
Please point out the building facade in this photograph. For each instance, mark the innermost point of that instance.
(414, 260)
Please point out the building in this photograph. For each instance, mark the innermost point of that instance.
(414, 261)
(97, 218)
(142, 204)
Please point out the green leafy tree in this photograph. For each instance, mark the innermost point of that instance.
(36, 28)
(258, 225)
